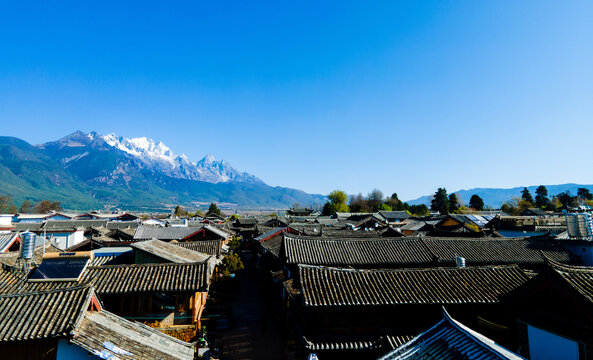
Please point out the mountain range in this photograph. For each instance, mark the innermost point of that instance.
(89, 171)
(92, 171)
(494, 197)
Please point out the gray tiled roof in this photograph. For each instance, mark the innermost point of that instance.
(269, 233)
(217, 231)
(170, 252)
(6, 240)
(210, 247)
(481, 251)
(25, 226)
(323, 286)
(579, 278)
(143, 342)
(375, 252)
(44, 314)
(164, 233)
(168, 277)
(420, 251)
(395, 215)
(56, 225)
(121, 279)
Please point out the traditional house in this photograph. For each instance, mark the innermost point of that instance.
(38, 218)
(115, 216)
(351, 313)
(393, 217)
(300, 211)
(419, 252)
(246, 227)
(534, 212)
(154, 222)
(169, 233)
(166, 295)
(72, 323)
(459, 225)
(554, 313)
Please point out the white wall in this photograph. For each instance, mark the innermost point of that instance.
(64, 240)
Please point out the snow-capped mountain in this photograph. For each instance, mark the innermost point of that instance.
(90, 171)
(142, 154)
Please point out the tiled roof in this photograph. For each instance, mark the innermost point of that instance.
(496, 250)
(69, 225)
(121, 279)
(27, 226)
(137, 339)
(355, 252)
(122, 225)
(45, 314)
(270, 232)
(6, 240)
(215, 230)
(322, 286)
(168, 277)
(164, 233)
(449, 339)
(246, 221)
(578, 277)
(170, 252)
(348, 233)
(273, 245)
(392, 215)
(355, 342)
(210, 247)
(420, 251)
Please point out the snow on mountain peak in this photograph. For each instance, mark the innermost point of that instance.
(159, 157)
(144, 148)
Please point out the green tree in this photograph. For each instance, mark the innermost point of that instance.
(180, 211)
(510, 207)
(213, 210)
(337, 203)
(199, 213)
(440, 201)
(567, 200)
(526, 195)
(541, 196)
(453, 203)
(232, 263)
(394, 202)
(584, 194)
(26, 207)
(7, 205)
(385, 207)
(476, 202)
(418, 210)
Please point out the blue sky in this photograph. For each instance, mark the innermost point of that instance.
(401, 96)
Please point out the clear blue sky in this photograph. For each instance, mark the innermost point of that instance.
(400, 96)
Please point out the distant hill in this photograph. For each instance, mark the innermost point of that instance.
(89, 171)
(494, 197)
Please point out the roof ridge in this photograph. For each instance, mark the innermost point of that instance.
(118, 266)
(78, 287)
(447, 268)
(483, 340)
